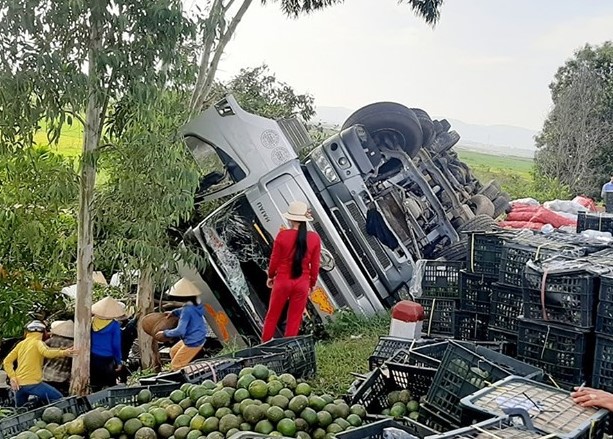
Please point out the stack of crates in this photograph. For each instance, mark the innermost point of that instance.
(602, 222)
(602, 376)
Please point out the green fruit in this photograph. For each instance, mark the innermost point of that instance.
(398, 410)
(229, 390)
(354, 420)
(228, 422)
(404, 396)
(194, 434)
(196, 393)
(333, 410)
(75, 436)
(52, 415)
(177, 396)
(210, 425)
(221, 399)
(100, 433)
(147, 419)
(298, 403)
(245, 380)
(182, 421)
(412, 406)
(173, 411)
(44, 434)
(301, 424)
(275, 414)
(159, 414)
(236, 408)
(342, 423)
(114, 426)
(264, 407)
(215, 435)
(385, 412)
(324, 418)
(245, 426)
(274, 387)
(303, 389)
(185, 403)
(91, 421)
(165, 431)
(414, 416)
(145, 433)
(328, 398)
(334, 428)
(253, 414)
(264, 427)
(358, 409)
(275, 434)
(144, 396)
(343, 410)
(197, 422)
(317, 403)
(230, 380)
(287, 427)
(287, 393)
(309, 415)
(53, 426)
(245, 371)
(261, 372)
(258, 389)
(41, 424)
(220, 413)
(280, 401)
(245, 403)
(131, 426)
(207, 410)
(288, 380)
(290, 414)
(26, 435)
(181, 433)
(68, 417)
(319, 433)
(76, 427)
(303, 435)
(241, 394)
(186, 387)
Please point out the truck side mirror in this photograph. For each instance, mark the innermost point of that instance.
(326, 261)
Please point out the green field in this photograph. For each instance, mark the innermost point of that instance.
(519, 165)
(70, 142)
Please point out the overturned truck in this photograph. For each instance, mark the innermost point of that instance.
(385, 191)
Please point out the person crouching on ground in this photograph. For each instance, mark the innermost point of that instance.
(57, 371)
(106, 357)
(30, 354)
(293, 271)
(192, 325)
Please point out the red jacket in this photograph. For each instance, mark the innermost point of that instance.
(283, 256)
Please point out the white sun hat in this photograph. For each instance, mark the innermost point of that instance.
(63, 328)
(184, 288)
(108, 308)
(298, 211)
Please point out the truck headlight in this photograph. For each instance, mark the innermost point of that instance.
(324, 165)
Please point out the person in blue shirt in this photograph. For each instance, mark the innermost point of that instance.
(607, 187)
(106, 358)
(191, 329)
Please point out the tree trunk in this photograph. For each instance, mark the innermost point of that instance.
(149, 354)
(85, 243)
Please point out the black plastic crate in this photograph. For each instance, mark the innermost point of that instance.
(551, 410)
(163, 378)
(475, 292)
(562, 297)
(602, 222)
(273, 358)
(602, 377)
(438, 315)
(470, 325)
(506, 307)
(508, 338)
(501, 428)
(484, 251)
(128, 394)
(388, 346)
(376, 429)
(301, 361)
(604, 315)
(563, 352)
(417, 379)
(434, 419)
(441, 279)
(515, 255)
(215, 370)
(412, 357)
(465, 370)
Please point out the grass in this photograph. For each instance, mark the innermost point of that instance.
(479, 161)
(70, 142)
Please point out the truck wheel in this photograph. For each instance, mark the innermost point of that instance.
(490, 190)
(501, 204)
(427, 127)
(480, 223)
(482, 205)
(390, 118)
(445, 141)
(445, 125)
(456, 251)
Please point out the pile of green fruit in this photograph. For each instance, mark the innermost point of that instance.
(6, 411)
(255, 400)
(400, 403)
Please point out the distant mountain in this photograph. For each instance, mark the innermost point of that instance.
(492, 139)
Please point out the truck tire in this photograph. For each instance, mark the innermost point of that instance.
(456, 251)
(490, 190)
(438, 128)
(393, 118)
(427, 128)
(482, 205)
(501, 204)
(480, 223)
(445, 125)
(445, 141)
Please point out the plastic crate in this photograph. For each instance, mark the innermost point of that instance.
(13, 425)
(163, 378)
(604, 315)
(470, 325)
(273, 358)
(484, 251)
(301, 361)
(602, 222)
(551, 410)
(515, 255)
(508, 338)
(506, 307)
(441, 279)
(602, 377)
(128, 395)
(502, 428)
(376, 429)
(438, 315)
(215, 370)
(563, 352)
(475, 292)
(434, 419)
(388, 346)
(456, 377)
(567, 297)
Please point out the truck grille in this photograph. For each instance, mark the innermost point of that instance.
(354, 211)
(349, 235)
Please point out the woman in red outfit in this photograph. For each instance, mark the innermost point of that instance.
(293, 271)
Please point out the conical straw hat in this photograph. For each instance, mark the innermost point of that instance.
(108, 308)
(184, 288)
(63, 328)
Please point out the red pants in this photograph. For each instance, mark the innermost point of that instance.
(297, 292)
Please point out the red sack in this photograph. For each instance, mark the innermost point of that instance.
(586, 202)
(547, 216)
(521, 225)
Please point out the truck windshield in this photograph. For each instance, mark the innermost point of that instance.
(218, 169)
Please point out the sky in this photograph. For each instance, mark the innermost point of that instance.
(486, 62)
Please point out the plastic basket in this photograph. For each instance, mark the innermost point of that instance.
(563, 352)
(441, 279)
(515, 255)
(214, 370)
(602, 222)
(502, 428)
(551, 410)
(273, 358)
(604, 315)
(376, 429)
(439, 315)
(465, 370)
(475, 292)
(484, 251)
(602, 377)
(559, 297)
(300, 350)
(508, 338)
(470, 325)
(387, 347)
(434, 419)
(128, 395)
(505, 307)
